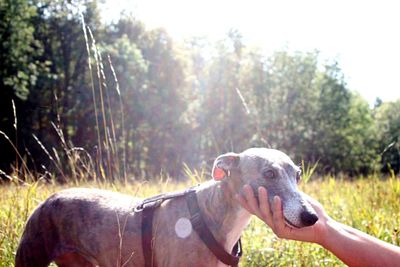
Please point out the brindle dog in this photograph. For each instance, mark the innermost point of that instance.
(91, 227)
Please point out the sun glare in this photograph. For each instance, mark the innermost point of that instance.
(360, 35)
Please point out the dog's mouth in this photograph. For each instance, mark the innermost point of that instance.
(290, 224)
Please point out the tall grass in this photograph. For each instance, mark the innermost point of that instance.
(68, 162)
(107, 142)
(370, 205)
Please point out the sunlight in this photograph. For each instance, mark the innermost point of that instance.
(357, 35)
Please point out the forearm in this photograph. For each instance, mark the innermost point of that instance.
(353, 247)
(356, 248)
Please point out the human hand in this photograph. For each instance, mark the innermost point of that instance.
(273, 216)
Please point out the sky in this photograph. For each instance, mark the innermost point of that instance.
(363, 36)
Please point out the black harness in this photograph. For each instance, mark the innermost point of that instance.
(149, 205)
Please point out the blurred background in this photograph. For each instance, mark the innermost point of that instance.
(141, 88)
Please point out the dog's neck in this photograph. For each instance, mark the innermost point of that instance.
(223, 214)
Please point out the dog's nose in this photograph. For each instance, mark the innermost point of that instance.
(308, 218)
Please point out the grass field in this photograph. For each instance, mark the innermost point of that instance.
(369, 204)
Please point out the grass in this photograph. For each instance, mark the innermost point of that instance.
(370, 205)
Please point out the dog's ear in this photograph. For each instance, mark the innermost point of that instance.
(224, 164)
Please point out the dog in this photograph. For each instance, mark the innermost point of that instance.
(92, 227)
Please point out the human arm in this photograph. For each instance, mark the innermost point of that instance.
(352, 246)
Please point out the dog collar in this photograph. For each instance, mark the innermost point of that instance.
(205, 234)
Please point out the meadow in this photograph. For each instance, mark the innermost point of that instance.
(369, 204)
(136, 100)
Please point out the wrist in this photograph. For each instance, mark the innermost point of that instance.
(327, 233)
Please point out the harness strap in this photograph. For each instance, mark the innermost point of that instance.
(147, 234)
(206, 235)
(148, 207)
(161, 198)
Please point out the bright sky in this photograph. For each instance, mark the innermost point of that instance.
(364, 36)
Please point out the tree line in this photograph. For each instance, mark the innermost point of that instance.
(132, 101)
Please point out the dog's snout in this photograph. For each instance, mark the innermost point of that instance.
(308, 218)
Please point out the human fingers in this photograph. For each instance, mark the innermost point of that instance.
(242, 201)
(265, 210)
(251, 199)
(282, 230)
(248, 200)
(278, 220)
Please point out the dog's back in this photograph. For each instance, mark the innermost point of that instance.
(30, 251)
(89, 219)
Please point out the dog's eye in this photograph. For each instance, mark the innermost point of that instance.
(269, 174)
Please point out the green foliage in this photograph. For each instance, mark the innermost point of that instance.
(151, 77)
(19, 67)
(387, 121)
(344, 139)
(307, 171)
(18, 47)
(135, 101)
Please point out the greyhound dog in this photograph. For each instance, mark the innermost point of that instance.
(91, 227)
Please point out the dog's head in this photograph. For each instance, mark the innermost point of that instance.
(273, 170)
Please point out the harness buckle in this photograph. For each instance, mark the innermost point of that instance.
(138, 208)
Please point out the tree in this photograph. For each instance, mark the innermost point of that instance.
(285, 100)
(224, 121)
(164, 128)
(155, 104)
(131, 70)
(387, 121)
(343, 134)
(151, 77)
(19, 68)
